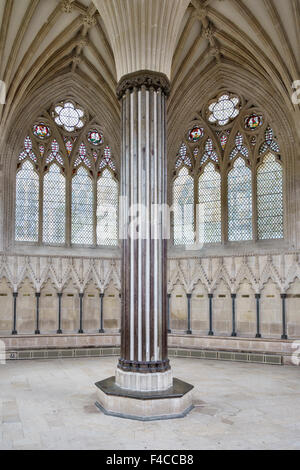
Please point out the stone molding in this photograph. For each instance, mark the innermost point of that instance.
(281, 268)
(146, 78)
(144, 367)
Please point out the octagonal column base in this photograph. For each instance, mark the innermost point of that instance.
(144, 382)
(176, 402)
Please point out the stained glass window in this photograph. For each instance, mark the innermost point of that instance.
(196, 133)
(269, 142)
(269, 199)
(182, 157)
(209, 199)
(27, 204)
(183, 207)
(54, 154)
(239, 202)
(82, 208)
(107, 160)
(95, 138)
(209, 152)
(41, 131)
(54, 206)
(239, 148)
(69, 117)
(27, 152)
(223, 110)
(82, 156)
(253, 122)
(107, 209)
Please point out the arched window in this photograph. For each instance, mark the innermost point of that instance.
(82, 208)
(239, 202)
(54, 206)
(269, 198)
(63, 156)
(228, 149)
(183, 208)
(107, 209)
(27, 204)
(209, 199)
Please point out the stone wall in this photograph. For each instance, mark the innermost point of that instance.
(271, 275)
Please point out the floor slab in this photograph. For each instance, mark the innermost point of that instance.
(48, 404)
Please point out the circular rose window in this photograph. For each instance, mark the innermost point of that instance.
(94, 137)
(223, 110)
(196, 133)
(41, 131)
(253, 122)
(69, 117)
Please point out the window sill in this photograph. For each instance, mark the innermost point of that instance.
(231, 249)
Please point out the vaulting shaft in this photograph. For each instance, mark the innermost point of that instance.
(143, 33)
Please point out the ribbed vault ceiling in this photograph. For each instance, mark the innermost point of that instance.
(43, 39)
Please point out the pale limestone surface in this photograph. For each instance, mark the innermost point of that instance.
(50, 405)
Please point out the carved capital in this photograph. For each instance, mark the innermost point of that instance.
(146, 78)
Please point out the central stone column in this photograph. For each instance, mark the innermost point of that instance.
(143, 36)
(144, 363)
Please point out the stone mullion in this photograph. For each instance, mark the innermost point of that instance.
(41, 200)
(95, 206)
(224, 205)
(254, 205)
(196, 215)
(68, 208)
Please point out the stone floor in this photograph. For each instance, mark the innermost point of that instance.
(50, 405)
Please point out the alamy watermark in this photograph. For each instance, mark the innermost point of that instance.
(296, 94)
(2, 92)
(2, 353)
(296, 353)
(152, 222)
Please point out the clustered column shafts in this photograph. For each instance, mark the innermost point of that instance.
(143, 182)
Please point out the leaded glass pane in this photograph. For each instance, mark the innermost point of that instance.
(183, 206)
(239, 202)
(182, 157)
(54, 206)
(82, 208)
(107, 210)
(209, 197)
(269, 199)
(69, 117)
(223, 110)
(27, 204)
